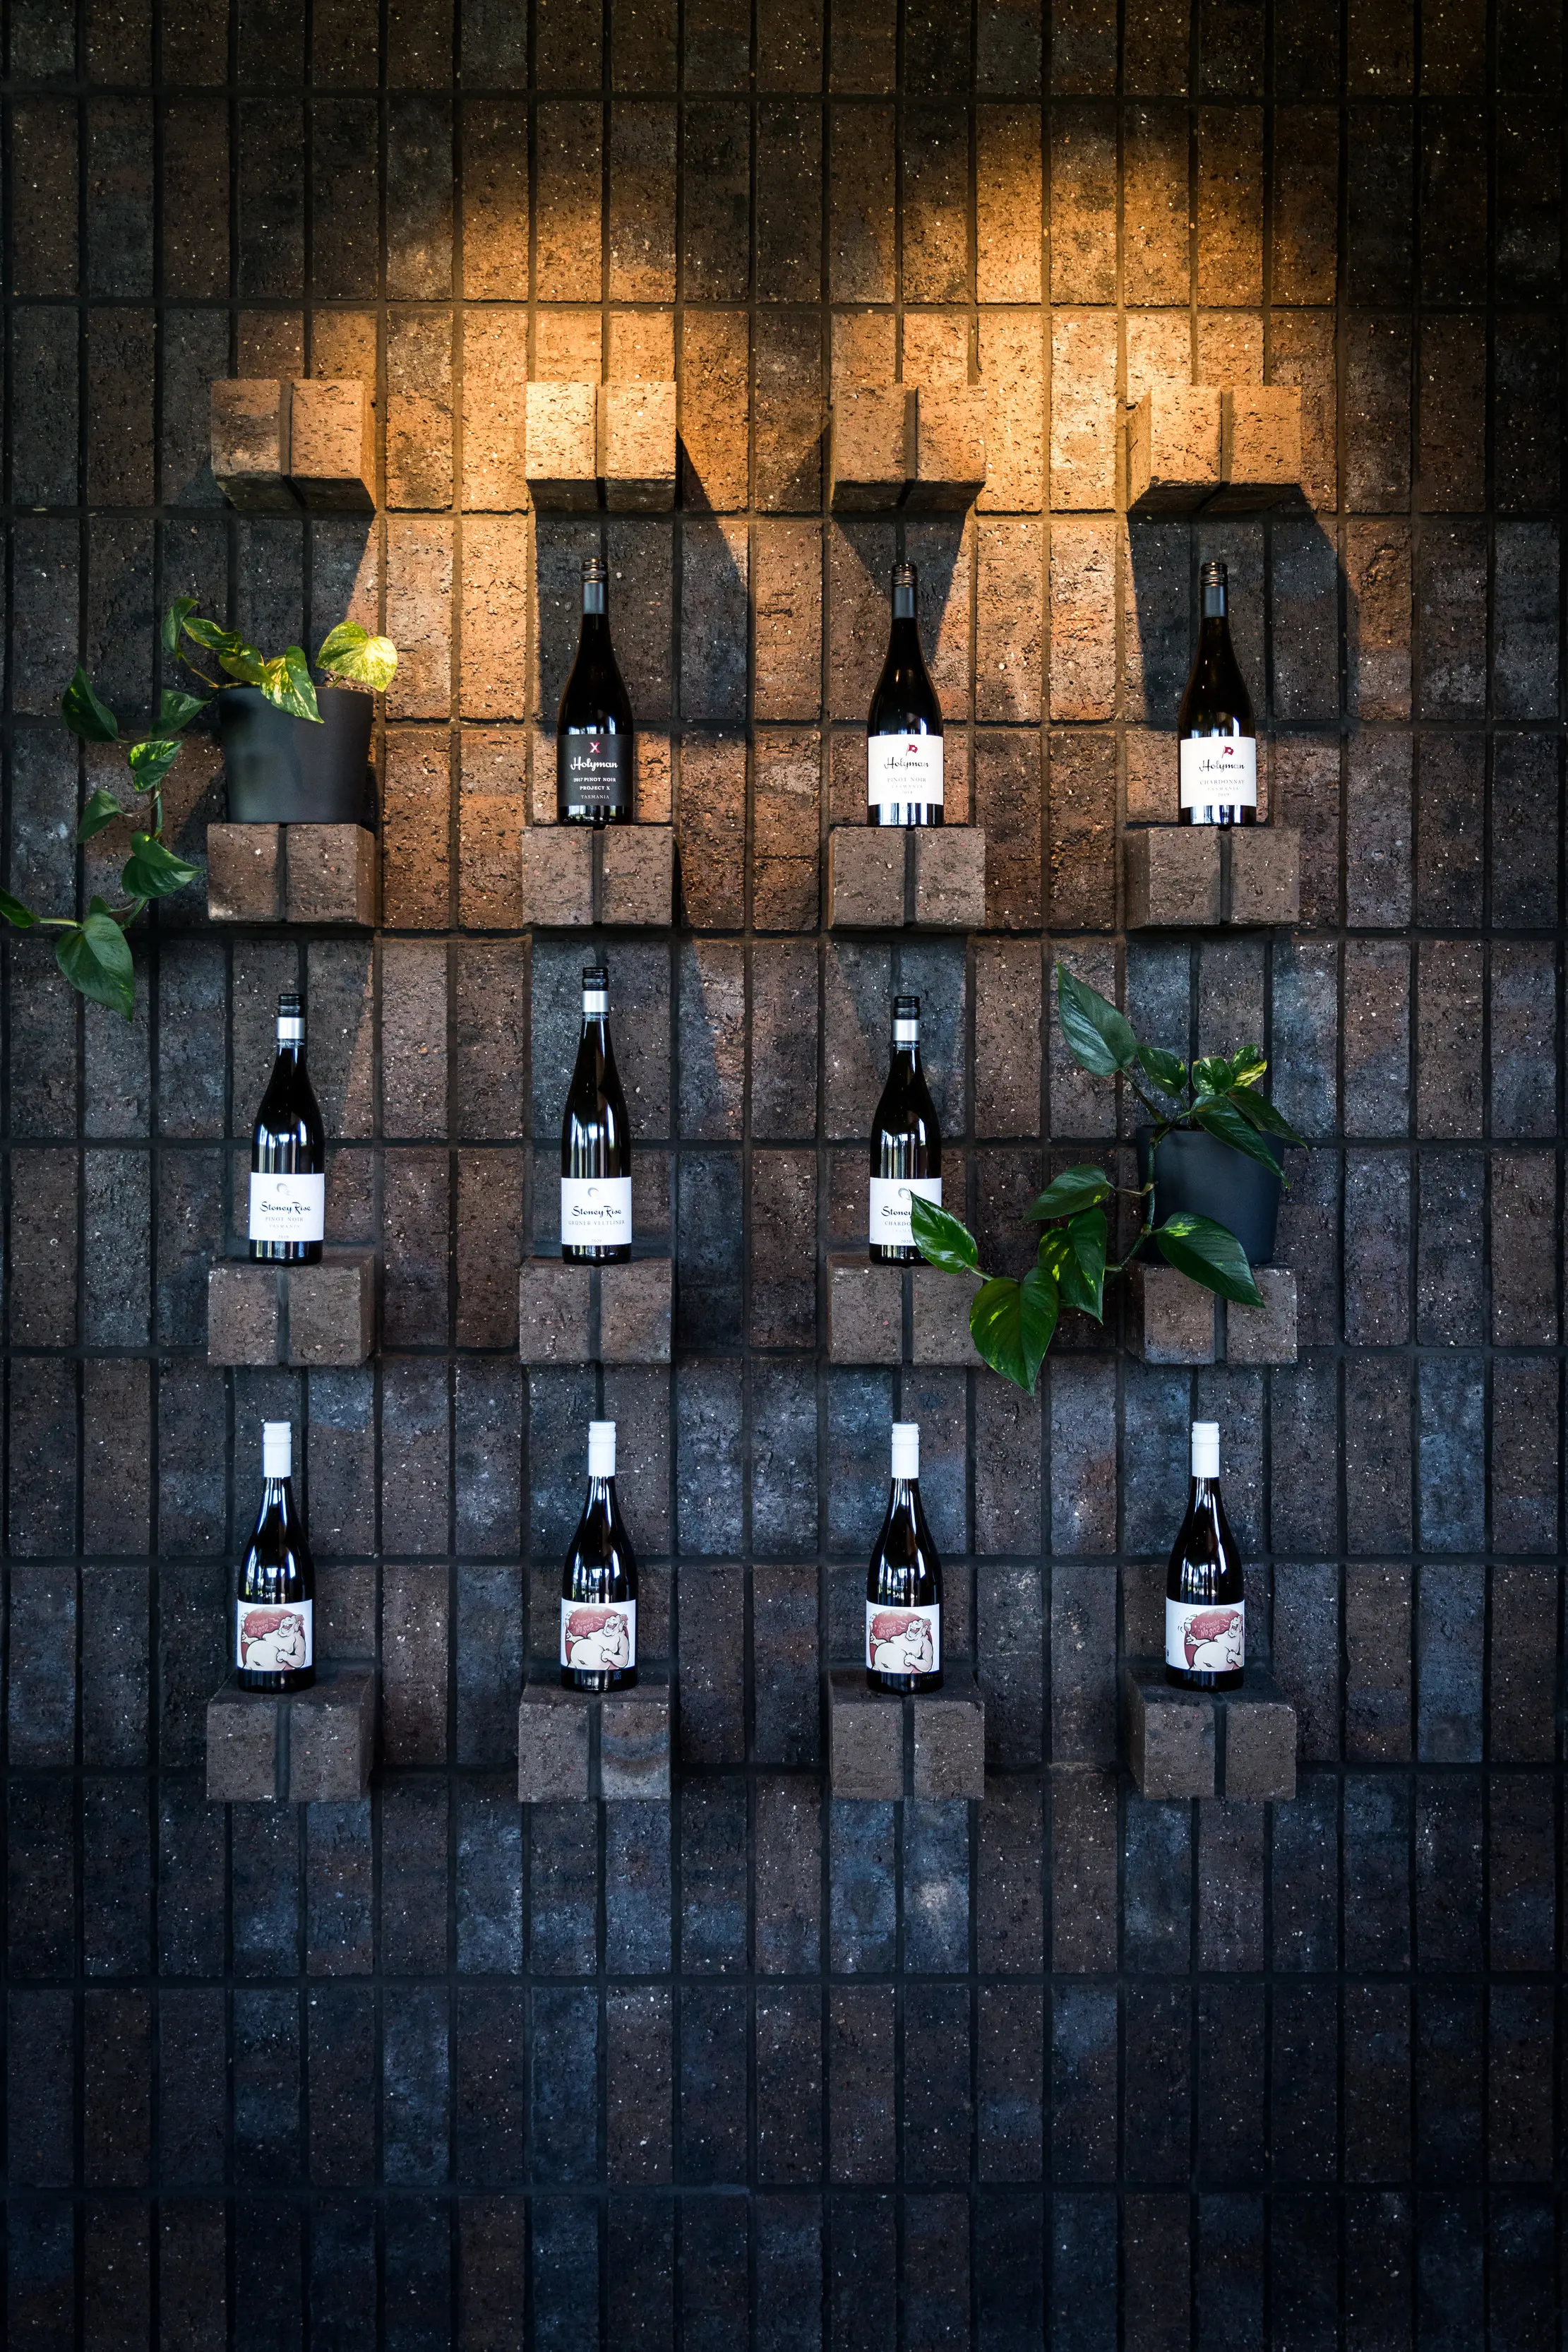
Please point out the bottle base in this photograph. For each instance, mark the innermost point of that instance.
(1182, 1678)
(906, 816)
(1221, 813)
(284, 1252)
(577, 1678)
(902, 1685)
(576, 813)
(617, 1254)
(882, 1254)
(291, 1678)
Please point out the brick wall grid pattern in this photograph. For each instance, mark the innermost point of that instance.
(757, 2068)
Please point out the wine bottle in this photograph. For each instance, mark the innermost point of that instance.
(905, 1148)
(275, 1595)
(903, 733)
(595, 770)
(1218, 751)
(288, 1154)
(595, 1150)
(903, 1583)
(598, 1582)
(1206, 1614)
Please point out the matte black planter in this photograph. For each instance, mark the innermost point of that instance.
(1197, 1172)
(285, 770)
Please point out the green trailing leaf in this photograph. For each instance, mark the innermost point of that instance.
(1168, 1071)
(94, 957)
(1099, 1036)
(1074, 1189)
(174, 620)
(221, 642)
(1083, 1273)
(1219, 1119)
(151, 871)
(351, 653)
(942, 1240)
(176, 709)
(1011, 1325)
(1248, 1067)
(1211, 1074)
(20, 918)
(85, 715)
(296, 693)
(152, 760)
(1208, 1253)
(101, 810)
(1263, 1113)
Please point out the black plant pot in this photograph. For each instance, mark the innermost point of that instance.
(1197, 1172)
(285, 770)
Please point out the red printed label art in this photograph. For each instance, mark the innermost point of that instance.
(598, 1637)
(903, 1641)
(269, 1641)
(1206, 1640)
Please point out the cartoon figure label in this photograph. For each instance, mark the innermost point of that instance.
(1203, 1639)
(288, 1208)
(889, 1199)
(595, 1209)
(903, 1641)
(274, 1638)
(903, 768)
(1219, 768)
(596, 771)
(599, 1637)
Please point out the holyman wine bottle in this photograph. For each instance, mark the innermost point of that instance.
(274, 1643)
(903, 1583)
(903, 733)
(598, 1582)
(1205, 1615)
(595, 772)
(905, 1148)
(1219, 751)
(595, 1150)
(288, 1154)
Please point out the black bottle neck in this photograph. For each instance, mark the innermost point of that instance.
(902, 603)
(595, 616)
(597, 1026)
(1215, 610)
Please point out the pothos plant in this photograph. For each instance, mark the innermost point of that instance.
(94, 953)
(1012, 1322)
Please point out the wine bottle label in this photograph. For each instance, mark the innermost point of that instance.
(903, 1641)
(1203, 1638)
(594, 771)
(288, 1208)
(274, 1640)
(1218, 771)
(598, 1637)
(903, 768)
(889, 1199)
(595, 1209)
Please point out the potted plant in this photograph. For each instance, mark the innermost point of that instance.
(93, 952)
(1196, 1207)
(294, 753)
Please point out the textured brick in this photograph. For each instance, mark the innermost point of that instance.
(1171, 1736)
(330, 872)
(948, 885)
(1173, 1317)
(950, 469)
(245, 872)
(865, 1311)
(865, 876)
(1264, 879)
(636, 446)
(871, 446)
(1174, 449)
(333, 446)
(250, 446)
(561, 447)
(558, 874)
(1266, 1334)
(1173, 876)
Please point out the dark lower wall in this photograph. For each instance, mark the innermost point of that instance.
(758, 2069)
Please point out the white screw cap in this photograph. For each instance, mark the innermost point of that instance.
(277, 1449)
(1206, 1449)
(602, 1449)
(906, 1449)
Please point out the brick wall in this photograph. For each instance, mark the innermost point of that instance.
(424, 2069)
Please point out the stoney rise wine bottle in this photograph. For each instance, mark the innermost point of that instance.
(905, 1148)
(288, 1154)
(1206, 1614)
(903, 1583)
(1218, 750)
(595, 770)
(274, 1638)
(595, 1150)
(904, 731)
(598, 1582)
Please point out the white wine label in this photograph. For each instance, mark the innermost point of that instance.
(1204, 1638)
(595, 1209)
(288, 1208)
(272, 1640)
(1218, 771)
(889, 1199)
(598, 1637)
(903, 1641)
(594, 771)
(902, 767)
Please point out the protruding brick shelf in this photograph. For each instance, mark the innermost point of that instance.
(279, 444)
(881, 877)
(576, 1746)
(1185, 876)
(601, 444)
(1176, 1320)
(893, 446)
(569, 1314)
(867, 1312)
(292, 874)
(882, 1746)
(322, 1314)
(1215, 450)
(578, 875)
(314, 1746)
(1183, 1744)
